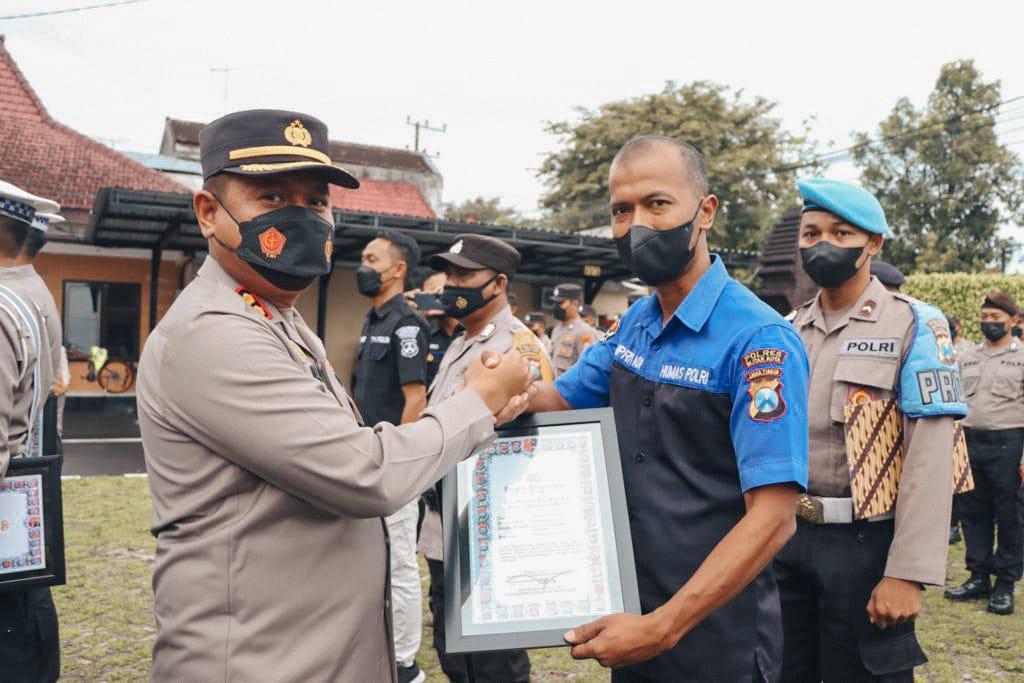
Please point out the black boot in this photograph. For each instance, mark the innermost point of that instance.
(977, 586)
(1001, 601)
(954, 534)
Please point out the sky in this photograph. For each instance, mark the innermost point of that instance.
(492, 72)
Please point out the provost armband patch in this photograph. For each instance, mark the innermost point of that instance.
(929, 379)
(763, 357)
(766, 402)
(408, 345)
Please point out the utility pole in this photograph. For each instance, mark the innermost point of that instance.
(227, 73)
(423, 125)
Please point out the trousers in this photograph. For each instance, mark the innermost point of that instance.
(995, 462)
(406, 592)
(826, 574)
(29, 638)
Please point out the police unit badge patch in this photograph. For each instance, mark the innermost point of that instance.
(409, 347)
(766, 402)
(943, 340)
(297, 134)
(272, 242)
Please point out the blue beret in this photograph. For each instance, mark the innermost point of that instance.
(852, 203)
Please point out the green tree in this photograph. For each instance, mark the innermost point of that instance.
(483, 210)
(946, 182)
(747, 152)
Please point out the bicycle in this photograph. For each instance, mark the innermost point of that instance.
(115, 376)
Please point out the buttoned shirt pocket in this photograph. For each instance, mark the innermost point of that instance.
(971, 378)
(1007, 386)
(859, 379)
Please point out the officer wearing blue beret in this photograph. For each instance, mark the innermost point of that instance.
(709, 386)
(883, 398)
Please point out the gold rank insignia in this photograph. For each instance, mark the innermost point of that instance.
(254, 302)
(297, 134)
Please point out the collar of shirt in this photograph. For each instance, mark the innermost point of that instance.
(503, 319)
(867, 308)
(698, 305)
(392, 304)
(17, 272)
(212, 271)
(992, 353)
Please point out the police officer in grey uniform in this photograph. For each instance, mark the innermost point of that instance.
(478, 272)
(993, 379)
(883, 389)
(29, 642)
(537, 321)
(572, 334)
(268, 492)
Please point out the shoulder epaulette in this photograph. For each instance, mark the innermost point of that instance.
(254, 302)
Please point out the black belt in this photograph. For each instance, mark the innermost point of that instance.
(994, 435)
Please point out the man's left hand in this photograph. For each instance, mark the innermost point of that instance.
(894, 601)
(619, 639)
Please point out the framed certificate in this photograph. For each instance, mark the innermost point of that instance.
(536, 534)
(31, 524)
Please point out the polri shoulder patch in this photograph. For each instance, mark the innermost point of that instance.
(409, 346)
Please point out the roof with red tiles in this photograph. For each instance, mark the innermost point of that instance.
(382, 196)
(49, 159)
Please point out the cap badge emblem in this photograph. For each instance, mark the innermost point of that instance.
(456, 248)
(297, 134)
(272, 242)
(461, 303)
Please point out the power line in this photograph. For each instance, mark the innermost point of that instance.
(69, 10)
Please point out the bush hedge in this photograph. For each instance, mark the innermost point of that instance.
(960, 294)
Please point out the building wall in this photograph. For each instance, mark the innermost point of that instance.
(56, 266)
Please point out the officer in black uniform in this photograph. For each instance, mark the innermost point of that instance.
(442, 328)
(390, 385)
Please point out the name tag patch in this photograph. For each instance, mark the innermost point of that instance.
(879, 348)
(683, 373)
(628, 357)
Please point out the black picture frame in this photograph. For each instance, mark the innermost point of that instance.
(53, 574)
(465, 638)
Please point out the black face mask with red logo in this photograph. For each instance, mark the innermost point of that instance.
(290, 247)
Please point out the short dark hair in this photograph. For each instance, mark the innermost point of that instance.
(404, 246)
(693, 160)
(34, 243)
(13, 234)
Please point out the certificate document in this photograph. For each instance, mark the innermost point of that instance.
(539, 546)
(21, 524)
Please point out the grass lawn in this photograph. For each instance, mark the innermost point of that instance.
(107, 624)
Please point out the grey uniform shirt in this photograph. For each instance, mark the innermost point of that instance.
(268, 493)
(499, 335)
(24, 280)
(17, 360)
(859, 357)
(568, 341)
(993, 381)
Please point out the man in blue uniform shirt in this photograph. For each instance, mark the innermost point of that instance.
(709, 387)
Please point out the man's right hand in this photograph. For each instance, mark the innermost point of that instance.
(497, 379)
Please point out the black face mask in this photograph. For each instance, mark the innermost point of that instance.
(657, 256)
(993, 331)
(830, 266)
(461, 301)
(559, 313)
(290, 247)
(368, 281)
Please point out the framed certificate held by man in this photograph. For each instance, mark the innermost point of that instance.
(536, 534)
(31, 524)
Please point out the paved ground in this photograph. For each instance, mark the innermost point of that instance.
(102, 438)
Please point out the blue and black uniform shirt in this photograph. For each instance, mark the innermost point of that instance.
(707, 406)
